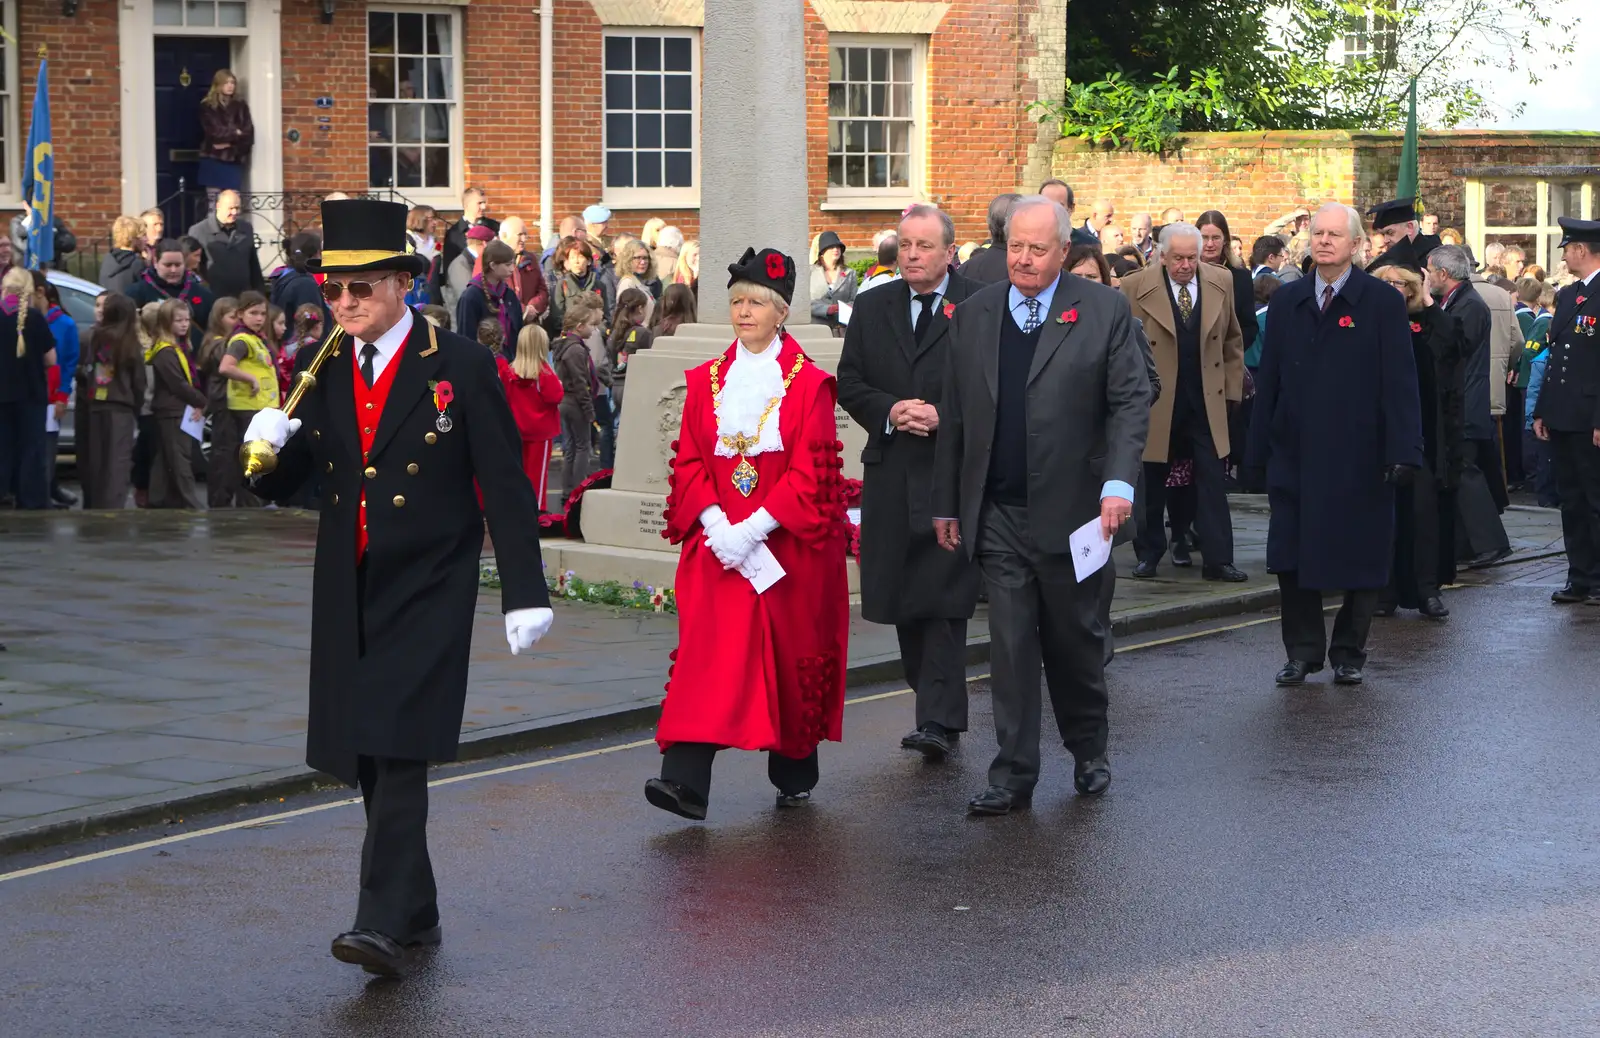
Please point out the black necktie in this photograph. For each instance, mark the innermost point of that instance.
(368, 352)
(925, 318)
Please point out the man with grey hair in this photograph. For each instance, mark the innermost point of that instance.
(1041, 426)
(1337, 425)
(987, 264)
(1480, 536)
(891, 381)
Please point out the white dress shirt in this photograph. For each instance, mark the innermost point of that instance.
(388, 344)
(1194, 290)
(916, 312)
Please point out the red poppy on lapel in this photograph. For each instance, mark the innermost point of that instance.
(1347, 321)
(1416, 327)
(197, 301)
(1580, 300)
(1068, 317)
(443, 393)
(949, 310)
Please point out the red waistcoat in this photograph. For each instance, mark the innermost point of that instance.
(369, 411)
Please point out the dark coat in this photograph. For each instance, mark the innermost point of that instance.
(22, 379)
(986, 265)
(1439, 350)
(455, 242)
(1336, 404)
(1477, 326)
(905, 575)
(229, 131)
(473, 307)
(1244, 303)
(1569, 397)
(1088, 409)
(232, 265)
(292, 289)
(151, 289)
(119, 269)
(403, 696)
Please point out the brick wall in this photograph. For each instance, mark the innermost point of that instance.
(324, 60)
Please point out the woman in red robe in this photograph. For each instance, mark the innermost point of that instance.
(756, 501)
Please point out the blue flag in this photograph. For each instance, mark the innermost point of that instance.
(39, 178)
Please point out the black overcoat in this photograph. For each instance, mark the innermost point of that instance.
(1336, 403)
(1477, 328)
(389, 646)
(1439, 349)
(905, 575)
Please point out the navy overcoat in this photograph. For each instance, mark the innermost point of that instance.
(1336, 404)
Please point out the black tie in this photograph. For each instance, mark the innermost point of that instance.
(925, 318)
(368, 352)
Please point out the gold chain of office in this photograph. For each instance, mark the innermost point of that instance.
(745, 476)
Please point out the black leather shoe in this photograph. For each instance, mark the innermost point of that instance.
(426, 938)
(794, 799)
(1385, 609)
(1092, 776)
(680, 800)
(1433, 608)
(931, 741)
(1569, 595)
(1488, 558)
(1180, 554)
(1294, 672)
(998, 800)
(62, 496)
(1227, 571)
(1593, 600)
(373, 951)
(1144, 570)
(1347, 674)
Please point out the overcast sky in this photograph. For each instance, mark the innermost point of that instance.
(1565, 99)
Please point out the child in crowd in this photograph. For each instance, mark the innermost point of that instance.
(534, 392)
(573, 363)
(277, 335)
(113, 377)
(251, 377)
(223, 311)
(630, 333)
(305, 335)
(437, 316)
(492, 335)
(175, 398)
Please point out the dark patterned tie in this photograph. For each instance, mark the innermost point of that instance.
(925, 318)
(1327, 297)
(368, 352)
(1031, 325)
(1185, 303)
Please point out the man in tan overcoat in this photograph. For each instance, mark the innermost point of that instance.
(1187, 310)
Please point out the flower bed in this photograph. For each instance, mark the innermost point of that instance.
(573, 588)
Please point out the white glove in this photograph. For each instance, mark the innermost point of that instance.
(524, 627)
(272, 425)
(734, 543)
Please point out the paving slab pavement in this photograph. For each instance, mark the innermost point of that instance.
(156, 661)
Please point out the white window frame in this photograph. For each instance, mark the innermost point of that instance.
(1545, 231)
(199, 30)
(11, 172)
(442, 198)
(655, 197)
(868, 198)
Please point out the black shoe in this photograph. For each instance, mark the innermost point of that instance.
(1347, 674)
(1433, 608)
(372, 951)
(63, 497)
(1569, 595)
(793, 799)
(1180, 554)
(1593, 600)
(998, 800)
(1227, 571)
(1092, 776)
(931, 740)
(1294, 672)
(1144, 570)
(1488, 558)
(1385, 609)
(680, 800)
(426, 938)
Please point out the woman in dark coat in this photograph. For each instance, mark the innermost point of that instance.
(296, 286)
(24, 391)
(229, 135)
(1425, 512)
(1216, 246)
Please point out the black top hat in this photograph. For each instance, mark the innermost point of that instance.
(1579, 230)
(362, 234)
(1386, 214)
(768, 267)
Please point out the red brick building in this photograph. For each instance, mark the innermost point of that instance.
(907, 100)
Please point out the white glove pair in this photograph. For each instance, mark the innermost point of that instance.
(524, 627)
(733, 543)
(272, 425)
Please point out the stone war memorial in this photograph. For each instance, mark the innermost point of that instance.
(754, 195)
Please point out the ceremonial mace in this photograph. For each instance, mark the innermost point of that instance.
(260, 457)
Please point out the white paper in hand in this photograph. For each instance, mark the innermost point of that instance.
(1090, 549)
(845, 310)
(762, 569)
(193, 425)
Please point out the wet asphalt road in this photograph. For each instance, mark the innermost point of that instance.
(1415, 857)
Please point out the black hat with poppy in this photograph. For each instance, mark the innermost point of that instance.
(768, 267)
(366, 234)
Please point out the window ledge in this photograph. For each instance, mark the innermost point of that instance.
(874, 203)
(630, 199)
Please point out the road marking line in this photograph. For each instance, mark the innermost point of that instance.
(282, 816)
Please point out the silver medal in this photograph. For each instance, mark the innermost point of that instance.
(444, 424)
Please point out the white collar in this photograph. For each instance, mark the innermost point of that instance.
(389, 343)
(1588, 280)
(749, 384)
(766, 356)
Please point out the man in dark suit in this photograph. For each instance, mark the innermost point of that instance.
(987, 264)
(891, 380)
(474, 212)
(1479, 529)
(1337, 425)
(1566, 412)
(404, 426)
(1043, 420)
(1061, 193)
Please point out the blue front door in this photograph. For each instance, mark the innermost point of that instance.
(184, 66)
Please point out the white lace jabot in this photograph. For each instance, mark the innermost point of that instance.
(748, 385)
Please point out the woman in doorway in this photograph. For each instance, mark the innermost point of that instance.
(832, 283)
(229, 135)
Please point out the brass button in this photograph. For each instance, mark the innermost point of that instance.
(336, 499)
(369, 407)
(399, 502)
(412, 470)
(363, 527)
(316, 434)
(371, 472)
(430, 438)
(367, 432)
(330, 466)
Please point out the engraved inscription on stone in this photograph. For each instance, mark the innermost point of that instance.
(651, 521)
(841, 417)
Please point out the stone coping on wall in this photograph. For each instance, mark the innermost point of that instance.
(1342, 139)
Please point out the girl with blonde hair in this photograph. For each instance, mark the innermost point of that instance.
(176, 397)
(26, 390)
(125, 260)
(229, 134)
(534, 392)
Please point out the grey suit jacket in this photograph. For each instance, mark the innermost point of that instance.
(1088, 401)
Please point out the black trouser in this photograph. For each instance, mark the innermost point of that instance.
(22, 454)
(145, 447)
(1576, 461)
(1304, 637)
(689, 765)
(1108, 591)
(1039, 614)
(1493, 467)
(1415, 575)
(398, 895)
(1191, 436)
(1479, 529)
(934, 654)
(1511, 435)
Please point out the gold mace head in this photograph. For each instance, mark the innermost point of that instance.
(257, 458)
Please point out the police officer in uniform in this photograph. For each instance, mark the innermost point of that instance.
(404, 421)
(1567, 414)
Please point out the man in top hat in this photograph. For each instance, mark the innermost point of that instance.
(404, 421)
(1396, 221)
(1566, 412)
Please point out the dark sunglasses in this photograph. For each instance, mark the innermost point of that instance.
(332, 290)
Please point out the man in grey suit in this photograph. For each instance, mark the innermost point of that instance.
(1042, 428)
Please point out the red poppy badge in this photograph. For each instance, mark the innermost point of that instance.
(443, 393)
(196, 300)
(1581, 299)
(1415, 327)
(1068, 316)
(949, 310)
(775, 266)
(1347, 321)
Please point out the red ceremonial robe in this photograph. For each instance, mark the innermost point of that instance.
(760, 672)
